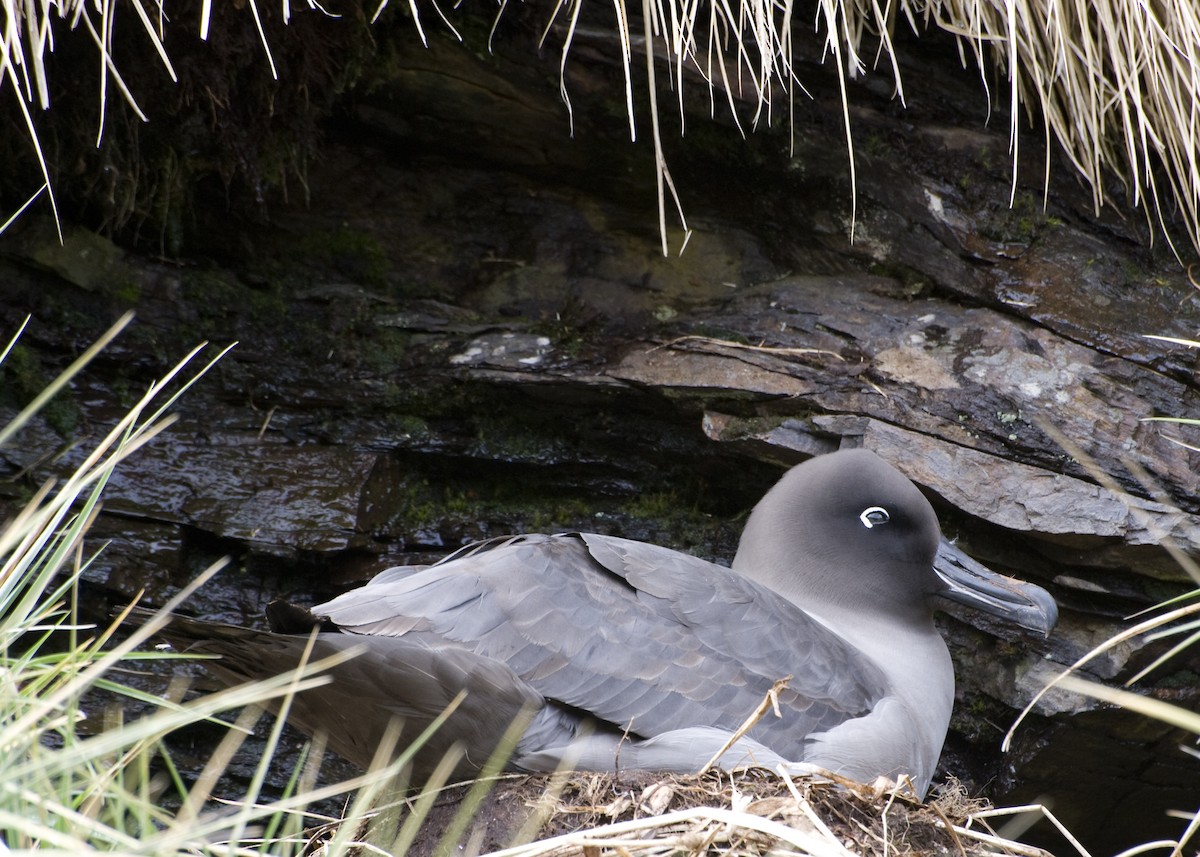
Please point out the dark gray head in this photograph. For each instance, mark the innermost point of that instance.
(844, 528)
(848, 530)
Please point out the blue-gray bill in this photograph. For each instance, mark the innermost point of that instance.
(970, 583)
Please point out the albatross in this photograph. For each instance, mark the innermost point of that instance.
(625, 655)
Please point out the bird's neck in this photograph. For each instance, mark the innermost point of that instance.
(913, 658)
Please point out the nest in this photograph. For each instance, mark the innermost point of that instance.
(752, 813)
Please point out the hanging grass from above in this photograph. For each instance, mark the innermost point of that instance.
(1114, 84)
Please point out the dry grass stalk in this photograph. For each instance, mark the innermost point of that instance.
(770, 702)
(780, 351)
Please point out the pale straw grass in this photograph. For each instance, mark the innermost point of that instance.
(1115, 85)
(760, 813)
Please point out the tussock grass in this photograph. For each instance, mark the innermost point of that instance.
(76, 780)
(1113, 84)
(1177, 618)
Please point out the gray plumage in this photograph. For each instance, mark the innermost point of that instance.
(625, 654)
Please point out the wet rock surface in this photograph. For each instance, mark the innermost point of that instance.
(472, 332)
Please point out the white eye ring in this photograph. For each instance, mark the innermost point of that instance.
(874, 515)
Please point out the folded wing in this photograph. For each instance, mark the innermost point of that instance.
(640, 637)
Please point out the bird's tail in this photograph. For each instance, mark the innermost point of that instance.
(384, 684)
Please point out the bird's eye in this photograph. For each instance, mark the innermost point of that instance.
(874, 515)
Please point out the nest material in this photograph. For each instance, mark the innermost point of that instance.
(754, 813)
